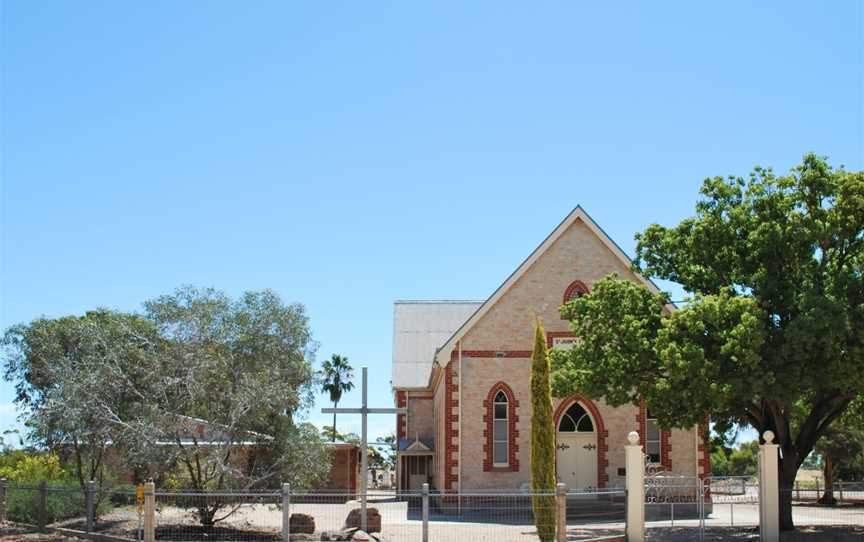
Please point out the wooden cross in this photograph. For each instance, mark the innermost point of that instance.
(364, 452)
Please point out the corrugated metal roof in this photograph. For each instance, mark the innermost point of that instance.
(419, 328)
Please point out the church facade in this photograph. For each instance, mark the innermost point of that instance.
(462, 371)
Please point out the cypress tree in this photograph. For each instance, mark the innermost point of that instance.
(542, 440)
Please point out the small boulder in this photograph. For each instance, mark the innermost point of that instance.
(338, 536)
(373, 520)
(301, 523)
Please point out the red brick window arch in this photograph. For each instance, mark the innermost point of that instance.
(500, 450)
(576, 289)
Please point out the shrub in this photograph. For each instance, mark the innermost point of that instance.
(64, 501)
(23, 467)
(542, 440)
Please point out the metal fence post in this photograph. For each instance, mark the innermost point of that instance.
(840, 487)
(42, 506)
(797, 490)
(286, 512)
(2, 500)
(561, 498)
(425, 493)
(635, 472)
(90, 504)
(149, 512)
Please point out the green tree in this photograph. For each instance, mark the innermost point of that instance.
(841, 445)
(542, 440)
(733, 461)
(233, 375)
(743, 461)
(774, 335)
(80, 381)
(336, 376)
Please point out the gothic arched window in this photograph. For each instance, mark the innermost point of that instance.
(575, 420)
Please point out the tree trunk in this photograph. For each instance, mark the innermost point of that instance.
(828, 470)
(335, 406)
(788, 471)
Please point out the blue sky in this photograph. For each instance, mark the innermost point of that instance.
(350, 154)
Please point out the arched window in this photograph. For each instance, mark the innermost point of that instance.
(500, 430)
(575, 420)
(501, 433)
(576, 289)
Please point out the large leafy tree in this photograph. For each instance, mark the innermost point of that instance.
(234, 374)
(840, 445)
(79, 382)
(774, 334)
(336, 376)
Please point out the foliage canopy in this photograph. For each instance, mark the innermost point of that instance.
(774, 335)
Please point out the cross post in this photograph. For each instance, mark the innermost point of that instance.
(364, 437)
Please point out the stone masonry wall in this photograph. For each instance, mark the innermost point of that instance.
(498, 348)
(420, 417)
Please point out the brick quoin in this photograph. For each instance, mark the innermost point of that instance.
(665, 436)
(704, 452)
(401, 422)
(451, 416)
(512, 432)
(666, 450)
(602, 433)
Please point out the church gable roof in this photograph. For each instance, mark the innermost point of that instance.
(620, 258)
(419, 328)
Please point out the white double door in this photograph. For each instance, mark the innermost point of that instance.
(577, 460)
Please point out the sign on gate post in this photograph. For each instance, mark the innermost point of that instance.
(769, 490)
(635, 464)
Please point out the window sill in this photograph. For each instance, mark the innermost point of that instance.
(501, 468)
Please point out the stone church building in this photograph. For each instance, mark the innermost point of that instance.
(462, 370)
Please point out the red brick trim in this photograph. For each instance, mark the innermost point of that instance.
(665, 437)
(641, 418)
(576, 288)
(551, 335)
(602, 433)
(704, 451)
(451, 416)
(666, 450)
(401, 421)
(512, 432)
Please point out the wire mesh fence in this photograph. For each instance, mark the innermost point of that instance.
(808, 510)
(218, 516)
(41, 505)
(675, 509)
(491, 516)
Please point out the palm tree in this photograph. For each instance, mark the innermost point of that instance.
(337, 375)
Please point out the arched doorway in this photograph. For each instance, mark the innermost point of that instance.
(576, 453)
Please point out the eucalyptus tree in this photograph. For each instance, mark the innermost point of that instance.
(81, 383)
(234, 376)
(336, 376)
(774, 334)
